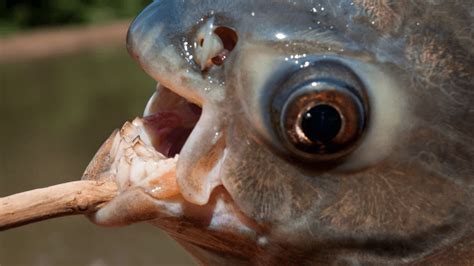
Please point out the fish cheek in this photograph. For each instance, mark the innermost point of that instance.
(265, 187)
(396, 199)
(398, 204)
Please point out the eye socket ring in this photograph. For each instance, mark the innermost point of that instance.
(321, 112)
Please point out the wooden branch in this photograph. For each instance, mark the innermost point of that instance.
(79, 197)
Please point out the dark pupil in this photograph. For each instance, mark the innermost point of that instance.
(321, 123)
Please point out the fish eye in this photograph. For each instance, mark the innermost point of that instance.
(323, 112)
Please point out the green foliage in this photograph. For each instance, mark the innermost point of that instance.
(24, 14)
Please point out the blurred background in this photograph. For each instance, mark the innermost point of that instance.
(27, 14)
(66, 81)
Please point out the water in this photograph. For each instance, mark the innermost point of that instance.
(55, 113)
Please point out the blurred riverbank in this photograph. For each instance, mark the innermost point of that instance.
(62, 92)
(43, 43)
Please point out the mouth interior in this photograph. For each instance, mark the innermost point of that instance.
(169, 120)
(128, 159)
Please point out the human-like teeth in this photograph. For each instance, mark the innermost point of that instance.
(157, 178)
(133, 162)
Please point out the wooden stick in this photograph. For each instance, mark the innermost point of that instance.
(79, 197)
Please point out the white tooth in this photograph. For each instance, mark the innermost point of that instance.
(137, 123)
(129, 153)
(156, 171)
(118, 156)
(137, 170)
(160, 180)
(115, 146)
(129, 132)
(123, 172)
(151, 167)
(142, 150)
(141, 132)
(134, 163)
(198, 168)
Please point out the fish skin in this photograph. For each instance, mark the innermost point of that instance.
(403, 196)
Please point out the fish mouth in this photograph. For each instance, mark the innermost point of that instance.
(156, 154)
(169, 120)
(180, 128)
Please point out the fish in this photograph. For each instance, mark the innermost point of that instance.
(301, 132)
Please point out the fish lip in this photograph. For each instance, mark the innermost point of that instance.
(213, 171)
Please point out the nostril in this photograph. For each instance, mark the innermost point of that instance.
(228, 36)
(213, 44)
(229, 40)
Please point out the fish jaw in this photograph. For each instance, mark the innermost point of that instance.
(148, 192)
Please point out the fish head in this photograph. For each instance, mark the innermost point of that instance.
(309, 130)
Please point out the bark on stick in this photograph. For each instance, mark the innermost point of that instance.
(79, 197)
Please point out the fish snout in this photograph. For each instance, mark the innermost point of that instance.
(183, 51)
